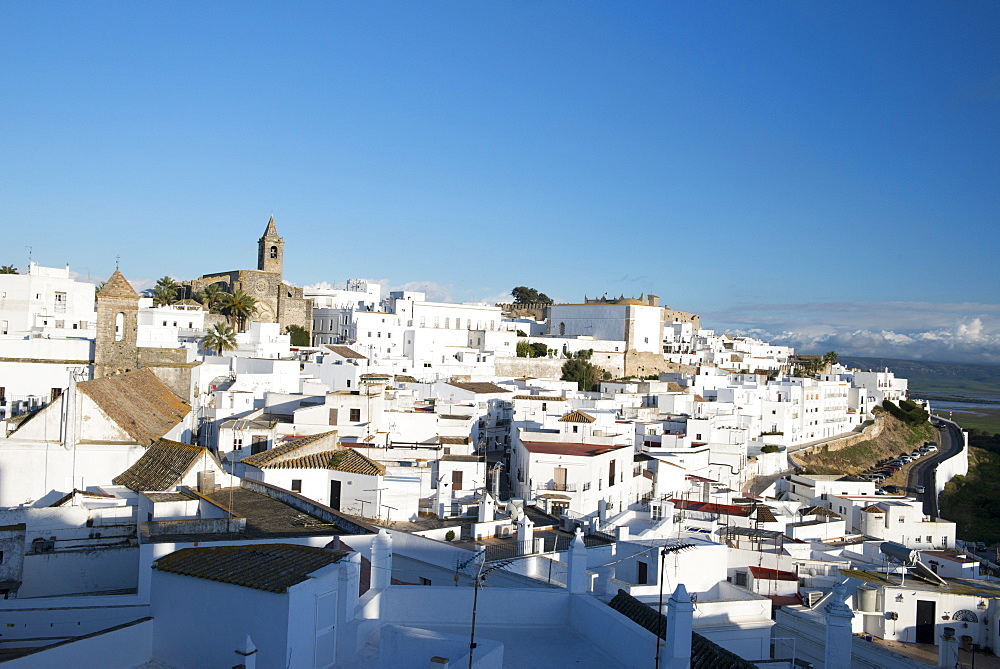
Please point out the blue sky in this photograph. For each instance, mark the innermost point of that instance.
(822, 174)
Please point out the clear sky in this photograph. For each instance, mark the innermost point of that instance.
(824, 174)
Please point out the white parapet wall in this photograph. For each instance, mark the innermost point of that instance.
(955, 465)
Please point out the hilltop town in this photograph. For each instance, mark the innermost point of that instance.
(236, 471)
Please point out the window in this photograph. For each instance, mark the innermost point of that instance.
(274, 252)
(425, 581)
(60, 324)
(355, 415)
(348, 383)
(447, 322)
(611, 473)
(119, 326)
(237, 443)
(333, 417)
(60, 307)
(740, 578)
(576, 428)
(296, 485)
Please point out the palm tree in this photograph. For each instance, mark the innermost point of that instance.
(165, 292)
(8, 269)
(239, 307)
(220, 337)
(211, 296)
(831, 358)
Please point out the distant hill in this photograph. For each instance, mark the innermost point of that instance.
(947, 378)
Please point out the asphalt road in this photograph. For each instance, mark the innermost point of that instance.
(950, 442)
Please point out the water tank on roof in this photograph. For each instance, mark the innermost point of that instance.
(867, 599)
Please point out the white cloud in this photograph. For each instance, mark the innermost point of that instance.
(946, 332)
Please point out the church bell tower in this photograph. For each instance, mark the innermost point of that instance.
(270, 249)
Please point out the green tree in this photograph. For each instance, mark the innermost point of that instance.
(8, 269)
(300, 336)
(539, 350)
(211, 297)
(239, 307)
(525, 295)
(586, 375)
(830, 358)
(524, 350)
(165, 291)
(220, 337)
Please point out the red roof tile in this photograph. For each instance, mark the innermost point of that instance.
(563, 448)
(772, 574)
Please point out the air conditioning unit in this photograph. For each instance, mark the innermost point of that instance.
(505, 531)
(566, 524)
(812, 597)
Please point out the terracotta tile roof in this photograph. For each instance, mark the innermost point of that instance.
(478, 387)
(347, 352)
(117, 286)
(577, 417)
(460, 441)
(563, 448)
(162, 466)
(405, 378)
(463, 458)
(296, 448)
(674, 387)
(818, 511)
(345, 460)
(711, 507)
(872, 508)
(270, 567)
(772, 574)
(704, 653)
(541, 398)
(765, 515)
(138, 402)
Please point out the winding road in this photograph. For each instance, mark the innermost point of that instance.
(950, 442)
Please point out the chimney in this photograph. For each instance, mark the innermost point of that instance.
(248, 654)
(948, 648)
(381, 560)
(653, 300)
(680, 623)
(576, 576)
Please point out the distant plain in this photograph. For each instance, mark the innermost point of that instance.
(970, 392)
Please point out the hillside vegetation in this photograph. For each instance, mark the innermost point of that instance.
(895, 438)
(973, 501)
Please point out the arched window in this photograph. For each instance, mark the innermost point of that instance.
(965, 616)
(119, 326)
(274, 251)
(562, 328)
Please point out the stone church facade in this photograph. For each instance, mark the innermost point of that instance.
(277, 301)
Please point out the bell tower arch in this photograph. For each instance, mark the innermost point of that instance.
(270, 250)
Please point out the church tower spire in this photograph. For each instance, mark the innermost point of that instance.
(270, 249)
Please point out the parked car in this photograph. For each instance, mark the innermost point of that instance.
(931, 446)
(915, 454)
(980, 546)
(879, 491)
(890, 489)
(919, 489)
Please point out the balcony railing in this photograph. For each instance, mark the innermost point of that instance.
(559, 487)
